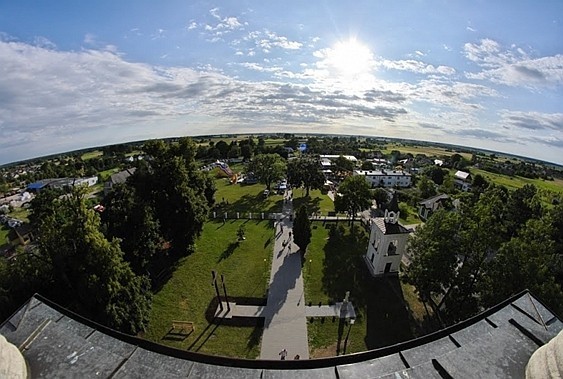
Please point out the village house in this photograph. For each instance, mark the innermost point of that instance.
(386, 178)
(462, 181)
(428, 206)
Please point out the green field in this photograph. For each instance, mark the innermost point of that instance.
(92, 154)
(514, 182)
(245, 198)
(189, 295)
(105, 175)
(316, 202)
(429, 151)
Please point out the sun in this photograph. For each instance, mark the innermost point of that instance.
(350, 58)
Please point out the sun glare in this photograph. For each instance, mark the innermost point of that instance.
(351, 58)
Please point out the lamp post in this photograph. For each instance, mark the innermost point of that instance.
(352, 321)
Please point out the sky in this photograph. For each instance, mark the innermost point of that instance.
(78, 74)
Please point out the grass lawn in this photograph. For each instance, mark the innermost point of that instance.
(514, 182)
(20, 214)
(189, 294)
(411, 216)
(315, 202)
(92, 154)
(245, 198)
(4, 234)
(384, 312)
(104, 175)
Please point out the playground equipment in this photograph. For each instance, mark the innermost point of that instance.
(225, 168)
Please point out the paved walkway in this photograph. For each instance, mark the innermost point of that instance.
(285, 324)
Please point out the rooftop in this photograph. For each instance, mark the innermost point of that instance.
(494, 344)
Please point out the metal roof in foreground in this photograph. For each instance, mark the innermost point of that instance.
(497, 343)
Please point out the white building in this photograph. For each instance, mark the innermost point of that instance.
(462, 180)
(387, 242)
(386, 178)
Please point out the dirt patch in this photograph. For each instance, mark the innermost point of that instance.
(325, 352)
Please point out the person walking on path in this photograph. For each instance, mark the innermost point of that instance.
(283, 354)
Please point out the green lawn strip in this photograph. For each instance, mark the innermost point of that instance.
(21, 214)
(105, 175)
(91, 154)
(245, 198)
(187, 296)
(411, 216)
(333, 267)
(4, 234)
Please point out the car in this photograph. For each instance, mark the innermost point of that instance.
(266, 193)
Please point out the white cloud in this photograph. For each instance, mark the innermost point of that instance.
(192, 25)
(513, 66)
(532, 121)
(414, 66)
(469, 28)
(267, 40)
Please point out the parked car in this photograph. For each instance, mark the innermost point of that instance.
(266, 193)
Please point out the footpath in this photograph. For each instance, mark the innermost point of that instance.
(285, 324)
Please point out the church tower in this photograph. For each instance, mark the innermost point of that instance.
(387, 241)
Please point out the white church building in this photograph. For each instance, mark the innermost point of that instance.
(387, 242)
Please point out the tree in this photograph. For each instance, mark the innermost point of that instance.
(525, 262)
(305, 172)
(353, 196)
(367, 166)
(267, 168)
(343, 165)
(436, 174)
(176, 190)
(133, 222)
(426, 187)
(76, 266)
(302, 229)
(433, 249)
(380, 196)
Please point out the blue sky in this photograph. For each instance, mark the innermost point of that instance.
(77, 74)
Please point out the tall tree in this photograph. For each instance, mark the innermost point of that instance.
(527, 261)
(268, 168)
(302, 229)
(177, 191)
(426, 187)
(433, 248)
(305, 172)
(133, 222)
(353, 195)
(75, 265)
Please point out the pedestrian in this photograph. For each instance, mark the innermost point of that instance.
(296, 357)
(290, 235)
(283, 354)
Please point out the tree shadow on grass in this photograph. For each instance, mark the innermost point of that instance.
(312, 205)
(229, 251)
(251, 203)
(388, 317)
(344, 268)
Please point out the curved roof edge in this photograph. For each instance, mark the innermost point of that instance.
(522, 316)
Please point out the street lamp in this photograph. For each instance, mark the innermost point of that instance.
(351, 322)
